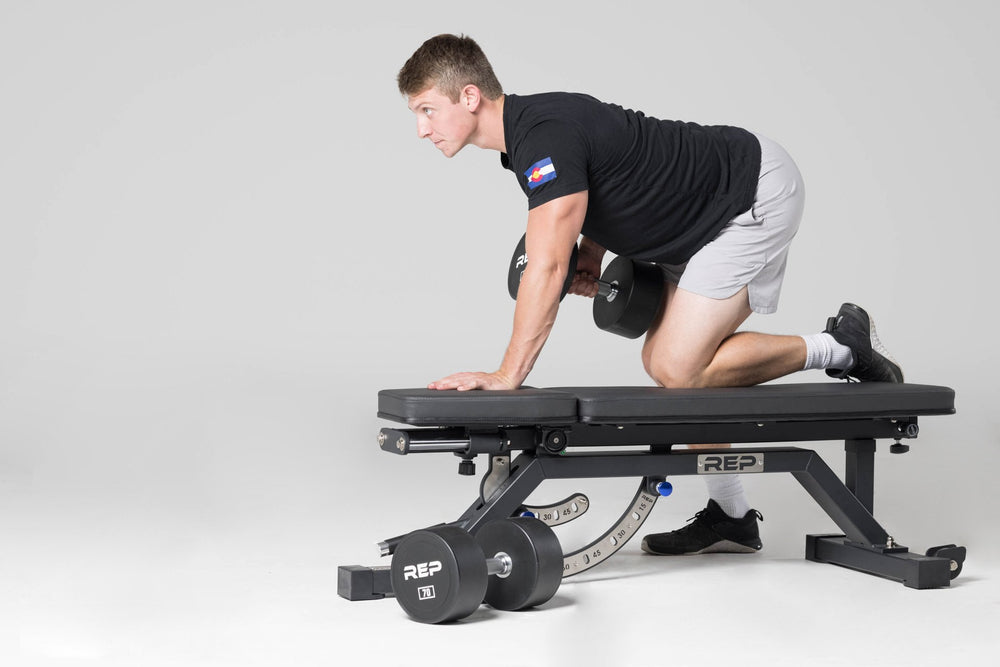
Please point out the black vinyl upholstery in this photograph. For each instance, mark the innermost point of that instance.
(655, 405)
(429, 407)
(774, 402)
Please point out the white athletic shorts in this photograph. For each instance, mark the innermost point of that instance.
(752, 249)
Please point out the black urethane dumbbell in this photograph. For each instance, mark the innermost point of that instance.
(519, 262)
(443, 574)
(629, 292)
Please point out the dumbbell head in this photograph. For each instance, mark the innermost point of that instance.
(629, 292)
(535, 562)
(439, 574)
(640, 293)
(442, 574)
(519, 261)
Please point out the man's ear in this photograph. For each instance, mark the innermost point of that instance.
(471, 97)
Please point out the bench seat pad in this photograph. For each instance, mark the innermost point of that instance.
(768, 402)
(655, 405)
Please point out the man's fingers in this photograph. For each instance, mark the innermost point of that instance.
(460, 381)
(469, 381)
(584, 284)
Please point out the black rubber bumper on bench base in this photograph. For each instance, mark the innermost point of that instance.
(910, 569)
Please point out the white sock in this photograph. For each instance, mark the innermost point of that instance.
(823, 351)
(727, 490)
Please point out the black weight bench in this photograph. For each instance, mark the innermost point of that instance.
(592, 432)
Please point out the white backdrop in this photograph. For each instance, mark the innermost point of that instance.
(220, 237)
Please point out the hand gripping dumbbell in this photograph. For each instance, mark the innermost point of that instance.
(629, 292)
(442, 574)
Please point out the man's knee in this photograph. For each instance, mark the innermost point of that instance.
(671, 373)
(680, 352)
(647, 358)
(673, 380)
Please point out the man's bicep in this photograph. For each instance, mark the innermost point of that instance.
(555, 226)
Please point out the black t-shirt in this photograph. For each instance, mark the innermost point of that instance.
(658, 190)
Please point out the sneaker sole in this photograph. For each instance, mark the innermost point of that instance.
(720, 547)
(879, 349)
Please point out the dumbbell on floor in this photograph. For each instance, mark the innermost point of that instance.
(629, 292)
(442, 574)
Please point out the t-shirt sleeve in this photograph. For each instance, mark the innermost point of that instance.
(552, 162)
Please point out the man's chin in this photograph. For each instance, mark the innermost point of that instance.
(448, 152)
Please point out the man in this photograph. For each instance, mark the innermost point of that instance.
(716, 207)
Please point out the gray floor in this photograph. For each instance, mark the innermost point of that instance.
(172, 518)
(182, 523)
(86, 587)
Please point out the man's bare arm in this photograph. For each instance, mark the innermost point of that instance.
(553, 229)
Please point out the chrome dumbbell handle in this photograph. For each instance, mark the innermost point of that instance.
(500, 565)
(607, 290)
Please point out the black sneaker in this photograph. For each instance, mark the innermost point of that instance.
(872, 362)
(711, 531)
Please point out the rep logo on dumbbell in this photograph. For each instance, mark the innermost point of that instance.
(629, 292)
(442, 574)
(421, 570)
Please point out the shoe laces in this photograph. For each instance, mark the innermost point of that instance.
(698, 515)
(704, 514)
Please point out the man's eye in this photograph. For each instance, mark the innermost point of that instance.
(427, 112)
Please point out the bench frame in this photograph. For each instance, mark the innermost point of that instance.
(583, 450)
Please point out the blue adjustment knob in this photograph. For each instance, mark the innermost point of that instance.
(530, 515)
(664, 489)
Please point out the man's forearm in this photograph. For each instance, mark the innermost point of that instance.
(588, 245)
(534, 315)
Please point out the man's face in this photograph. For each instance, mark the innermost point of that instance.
(449, 125)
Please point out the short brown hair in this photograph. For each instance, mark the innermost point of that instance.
(449, 62)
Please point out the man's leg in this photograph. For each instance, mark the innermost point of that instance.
(693, 344)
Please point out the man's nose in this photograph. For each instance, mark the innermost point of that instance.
(423, 128)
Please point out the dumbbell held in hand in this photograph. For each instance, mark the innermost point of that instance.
(629, 292)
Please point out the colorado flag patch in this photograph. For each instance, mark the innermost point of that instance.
(540, 172)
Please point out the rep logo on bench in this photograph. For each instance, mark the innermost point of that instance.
(711, 464)
(421, 570)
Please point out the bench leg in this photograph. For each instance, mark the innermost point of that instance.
(912, 570)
